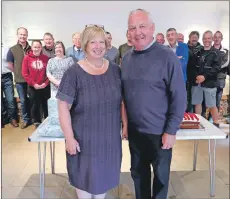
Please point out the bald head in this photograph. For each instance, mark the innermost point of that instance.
(141, 28)
(76, 38)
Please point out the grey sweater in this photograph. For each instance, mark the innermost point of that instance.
(154, 90)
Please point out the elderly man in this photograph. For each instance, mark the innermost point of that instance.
(180, 37)
(160, 38)
(179, 48)
(75, 51)
(155, 99)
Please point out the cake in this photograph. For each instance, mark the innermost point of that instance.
(190, 121)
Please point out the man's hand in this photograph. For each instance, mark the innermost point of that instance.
(168, 141)
(180, 57)
(200, 79)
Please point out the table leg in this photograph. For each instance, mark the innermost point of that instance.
(52, 156)
(212, 165)
(53, 168)
(195, 154)
(42, 169)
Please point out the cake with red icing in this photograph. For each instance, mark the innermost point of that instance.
(190, 121)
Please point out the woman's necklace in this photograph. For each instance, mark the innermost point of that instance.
(95, 66)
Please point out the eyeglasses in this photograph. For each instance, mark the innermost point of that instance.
(94, 25)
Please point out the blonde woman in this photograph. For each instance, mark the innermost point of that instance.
(90, 110)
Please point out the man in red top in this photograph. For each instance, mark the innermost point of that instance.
(34, 72)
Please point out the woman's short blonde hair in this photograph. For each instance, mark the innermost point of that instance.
(89, 33)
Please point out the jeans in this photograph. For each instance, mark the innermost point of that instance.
(189, 97)
(8, 89)
(22, 92)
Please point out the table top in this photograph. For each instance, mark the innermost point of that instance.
(210, 132)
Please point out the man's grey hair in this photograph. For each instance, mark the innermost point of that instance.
(206, 32)
(141, 10)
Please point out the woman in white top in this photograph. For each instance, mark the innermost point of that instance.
(57, 67)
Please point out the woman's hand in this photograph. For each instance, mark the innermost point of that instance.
(43, 85)
(72, 146)
(58, 83)
(36, 86)
(125, 132)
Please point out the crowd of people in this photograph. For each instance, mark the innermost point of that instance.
(145, 84)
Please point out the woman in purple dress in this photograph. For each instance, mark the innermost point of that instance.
(91, 111)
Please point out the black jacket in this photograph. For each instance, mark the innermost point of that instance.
(191, 66)
(224, 54)
(208, 64)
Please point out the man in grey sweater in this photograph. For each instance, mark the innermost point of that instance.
(155, 99)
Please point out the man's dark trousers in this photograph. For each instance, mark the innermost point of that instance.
(145, 150)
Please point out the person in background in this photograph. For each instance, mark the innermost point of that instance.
(14, 58)
(224, 54)
(208, 65)
(57, 66)
(160, 38)
(48, 48)
(179, 48)
(34, 71)
(124, 48)
(7, 87)
(194, 47)
(155, 100)
(75, 51)
(180, 37)
(90, 113)
(112, 52)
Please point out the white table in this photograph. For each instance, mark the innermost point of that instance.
(211, 133)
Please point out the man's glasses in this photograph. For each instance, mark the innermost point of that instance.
(94, 25)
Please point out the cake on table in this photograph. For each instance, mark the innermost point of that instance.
(190, 121)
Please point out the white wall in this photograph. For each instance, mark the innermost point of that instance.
(64, 18)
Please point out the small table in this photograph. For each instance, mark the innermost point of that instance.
(210, 133)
